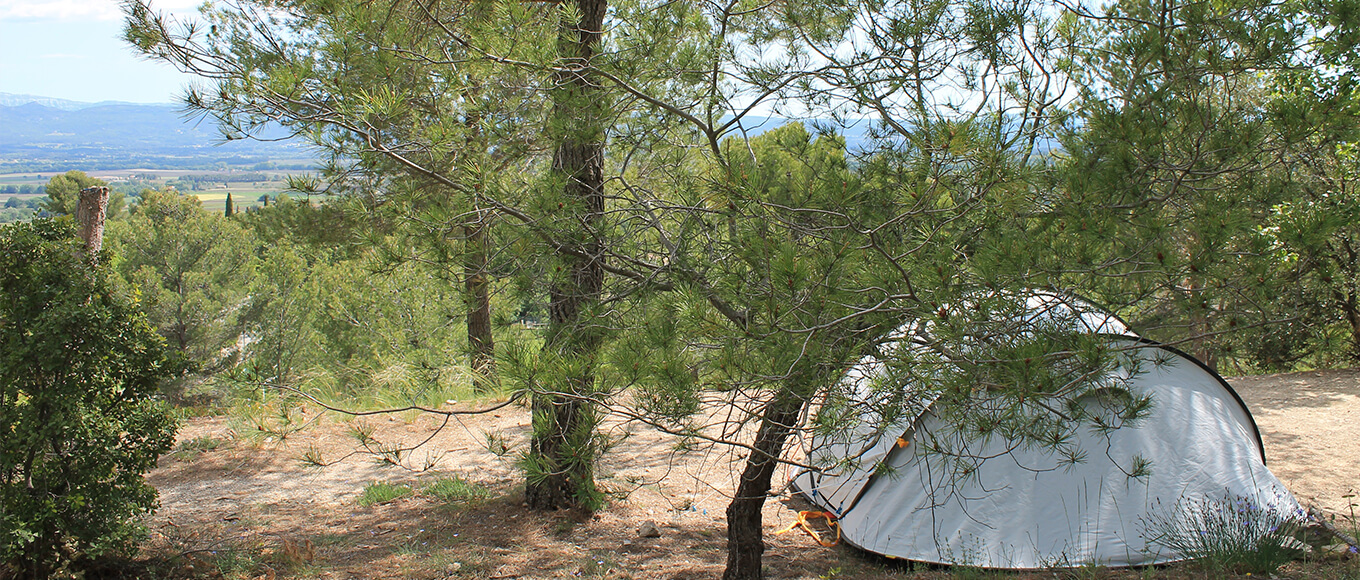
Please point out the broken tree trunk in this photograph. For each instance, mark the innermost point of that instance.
(90, 213)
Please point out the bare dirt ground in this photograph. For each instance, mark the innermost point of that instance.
(1310, 423)
(239, 503)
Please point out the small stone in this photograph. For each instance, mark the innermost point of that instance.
(648, 529)
(1337, 550)
(453, 568)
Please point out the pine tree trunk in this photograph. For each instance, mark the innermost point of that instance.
(564, 423)
(476, 285)
(567, 479)
(1352, 313)
(476, 278)
(1200, 345)
(745, 544)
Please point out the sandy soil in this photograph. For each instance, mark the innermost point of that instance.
(255, 502)
(1310, 423)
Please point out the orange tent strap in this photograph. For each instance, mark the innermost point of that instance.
(802, 522)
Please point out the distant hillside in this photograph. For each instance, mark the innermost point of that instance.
(49, 134)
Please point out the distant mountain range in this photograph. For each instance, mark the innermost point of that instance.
(13, 100)
(44, 134)
(40, 134)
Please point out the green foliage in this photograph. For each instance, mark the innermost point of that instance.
(1214, 138)
(1229, 534)
(193, 269)
(396, 317)
(282, 305)
(17, 210)
(789, 258)
(79, 421)
(321, 226)
(380, 492)
(63, 194)
(352, 333)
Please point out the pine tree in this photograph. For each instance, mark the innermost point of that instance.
(228, 212)
(193, 268)
(768, 267)
(439, 152)
(63, 194)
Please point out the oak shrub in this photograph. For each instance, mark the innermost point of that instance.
(80, 422)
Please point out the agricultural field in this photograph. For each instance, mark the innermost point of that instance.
(246, 186)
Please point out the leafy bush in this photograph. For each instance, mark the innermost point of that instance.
(79, 424)
(1228, 534)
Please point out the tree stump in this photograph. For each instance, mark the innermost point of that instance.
(91, 212)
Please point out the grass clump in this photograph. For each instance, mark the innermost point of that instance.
(189, 449)
(380, 492)
(456, 489)
(1230, 534)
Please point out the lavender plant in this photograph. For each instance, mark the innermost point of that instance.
(1231, 533)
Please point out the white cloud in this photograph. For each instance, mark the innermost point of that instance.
(58, 9)
(79, 9)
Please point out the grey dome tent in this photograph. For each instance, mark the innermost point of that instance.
(1023, 507)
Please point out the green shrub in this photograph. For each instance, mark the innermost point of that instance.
(79, 424)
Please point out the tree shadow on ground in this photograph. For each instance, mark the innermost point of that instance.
(1319, 389)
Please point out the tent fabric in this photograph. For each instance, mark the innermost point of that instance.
(1023, 507)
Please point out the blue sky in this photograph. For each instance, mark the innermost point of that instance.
(70, 49)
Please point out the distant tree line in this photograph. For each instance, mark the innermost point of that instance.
(17, 210)
(108, 161)
(25, 189)
(198, 182)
